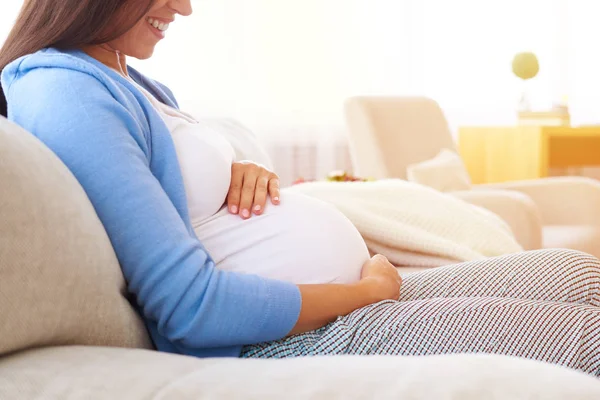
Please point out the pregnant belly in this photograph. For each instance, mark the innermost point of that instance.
(303, 240)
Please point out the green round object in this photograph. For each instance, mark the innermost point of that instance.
(525, 65)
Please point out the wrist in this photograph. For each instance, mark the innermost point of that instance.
(368, 289)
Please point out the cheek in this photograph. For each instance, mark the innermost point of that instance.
(140, 33)
(140, 41)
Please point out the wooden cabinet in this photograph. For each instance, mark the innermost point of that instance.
(500, 154)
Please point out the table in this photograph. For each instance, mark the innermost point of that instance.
(495, 154)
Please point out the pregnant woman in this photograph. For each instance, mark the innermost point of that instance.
(295, 278)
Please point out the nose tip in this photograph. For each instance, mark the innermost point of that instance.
(184, 7)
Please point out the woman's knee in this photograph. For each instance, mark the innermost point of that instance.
(570, 262)
(577, 274)
(578, 263)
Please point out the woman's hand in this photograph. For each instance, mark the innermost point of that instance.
(250, 185)
(382, 277)
(322, 304)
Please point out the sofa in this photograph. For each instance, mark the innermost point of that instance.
(68, 329)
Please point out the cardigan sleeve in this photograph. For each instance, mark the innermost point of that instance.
(175, 281)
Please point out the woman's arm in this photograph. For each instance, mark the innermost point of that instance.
(322, 304)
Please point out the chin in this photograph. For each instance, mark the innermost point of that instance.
(142, 54)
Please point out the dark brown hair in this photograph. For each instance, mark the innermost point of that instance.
(70, 25)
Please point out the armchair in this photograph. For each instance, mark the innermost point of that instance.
(387, 134)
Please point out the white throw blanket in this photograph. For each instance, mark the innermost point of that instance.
(414, 225)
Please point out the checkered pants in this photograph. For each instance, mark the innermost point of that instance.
(543, 305)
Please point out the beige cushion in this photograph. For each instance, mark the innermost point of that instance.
(104, 373)
(445, 172)
(60, 282)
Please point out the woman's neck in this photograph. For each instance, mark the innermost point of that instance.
(108, 56)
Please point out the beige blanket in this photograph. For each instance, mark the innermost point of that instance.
(414, 225)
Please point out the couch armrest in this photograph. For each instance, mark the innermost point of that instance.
(516, 209)
(561, 201)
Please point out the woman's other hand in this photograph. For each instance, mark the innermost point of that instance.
(322, 304)
(250, 185)
(382, 278)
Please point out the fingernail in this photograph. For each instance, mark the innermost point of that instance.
(275, 198)
(245, 213)
(233, 209)
(256, 209)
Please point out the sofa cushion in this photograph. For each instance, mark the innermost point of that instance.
(103, 373)
(60, 281)
(445, 172)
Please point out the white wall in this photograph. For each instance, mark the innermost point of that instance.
(10, 9)
(278, 62)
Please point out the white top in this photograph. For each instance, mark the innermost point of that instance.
(303, 240)
(205, 159)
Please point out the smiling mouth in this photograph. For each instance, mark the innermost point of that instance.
(161, 26)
